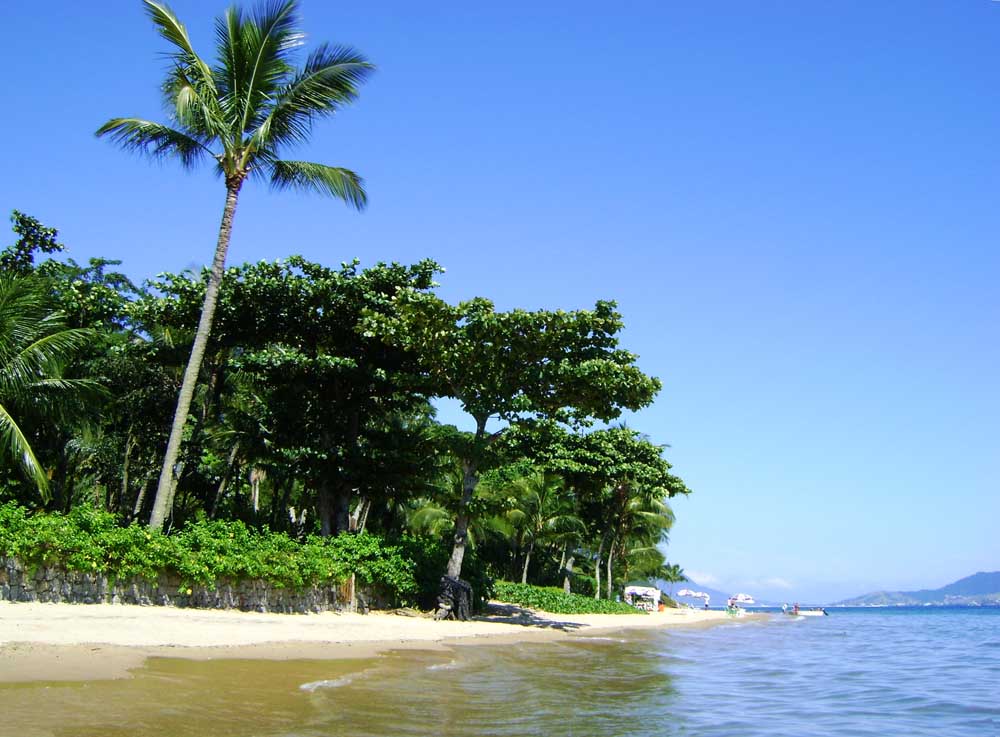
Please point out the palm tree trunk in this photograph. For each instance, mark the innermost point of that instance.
(130, 443)
(597, 567)
(137, 509)
(527, 561)
(611, 556)
(163, 502)
(568, 574)
(221, 491)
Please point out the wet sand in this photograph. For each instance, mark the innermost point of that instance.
(74, 642)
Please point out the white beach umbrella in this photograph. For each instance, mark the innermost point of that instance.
(743, 599)
(685, 592)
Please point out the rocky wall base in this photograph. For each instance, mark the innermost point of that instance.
(55, 584)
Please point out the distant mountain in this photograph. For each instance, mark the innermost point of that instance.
(980, 589)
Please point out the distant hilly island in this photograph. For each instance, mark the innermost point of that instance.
(980, 589)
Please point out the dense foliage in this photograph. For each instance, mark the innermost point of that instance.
(313, 418)
(92, 541)
(557, 601)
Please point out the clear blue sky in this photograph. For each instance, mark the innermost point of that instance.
(796, 204)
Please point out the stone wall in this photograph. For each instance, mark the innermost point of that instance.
(56, 584)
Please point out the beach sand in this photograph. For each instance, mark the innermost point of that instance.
(65, 642)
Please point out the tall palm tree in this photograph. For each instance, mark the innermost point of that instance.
(242, 113)
(34, 346)
(673, 574)
(545, 513)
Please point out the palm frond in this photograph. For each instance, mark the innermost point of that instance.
(329, 80)
(171, 29)
(343, 184)
(431, 519)
(196, 105)
(266, 41)
(231, 68)
(154, 139)
(18, 447)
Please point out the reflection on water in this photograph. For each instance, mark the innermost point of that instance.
(532, 689)
(867, 673)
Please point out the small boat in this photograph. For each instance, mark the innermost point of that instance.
(808, 613)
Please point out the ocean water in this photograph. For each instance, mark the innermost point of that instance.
(856, 672)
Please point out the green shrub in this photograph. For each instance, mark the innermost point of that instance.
(551, 599)
(203, 552)
(583, 584)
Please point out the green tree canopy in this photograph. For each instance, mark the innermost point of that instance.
(517, 366)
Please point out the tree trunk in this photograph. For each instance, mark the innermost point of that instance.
(597, 567)
(527, 561)
(341, 510)
(611, 555)
(324, 509)
(130, 444)
(469, 480)
(568, 574)
(221, 491)
(137, 509)
(360, 516)
(455, 595)
(163, 502)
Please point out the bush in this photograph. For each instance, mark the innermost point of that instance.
(551, 599)
(583, 584)
(204, 552)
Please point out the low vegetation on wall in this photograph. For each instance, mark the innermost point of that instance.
(552, 599)
(203, 553)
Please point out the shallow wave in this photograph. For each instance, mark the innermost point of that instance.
(326, 683)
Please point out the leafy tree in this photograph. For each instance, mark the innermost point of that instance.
(672, 574)
(302, 393)
(622, 481)
(516, 367)
(84, 454)
(242, 113)
(546, 514)
(34, 345)
(32, 238)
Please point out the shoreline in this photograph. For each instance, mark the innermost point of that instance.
(81, 642)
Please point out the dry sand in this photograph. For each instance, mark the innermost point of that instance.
(94, 641)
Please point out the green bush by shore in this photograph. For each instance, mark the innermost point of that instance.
(557, 601)
(204, 552)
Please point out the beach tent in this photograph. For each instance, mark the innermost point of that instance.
(643, 597)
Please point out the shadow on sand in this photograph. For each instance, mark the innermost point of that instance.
(512, 614)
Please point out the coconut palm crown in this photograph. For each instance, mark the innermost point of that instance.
(242, 112)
